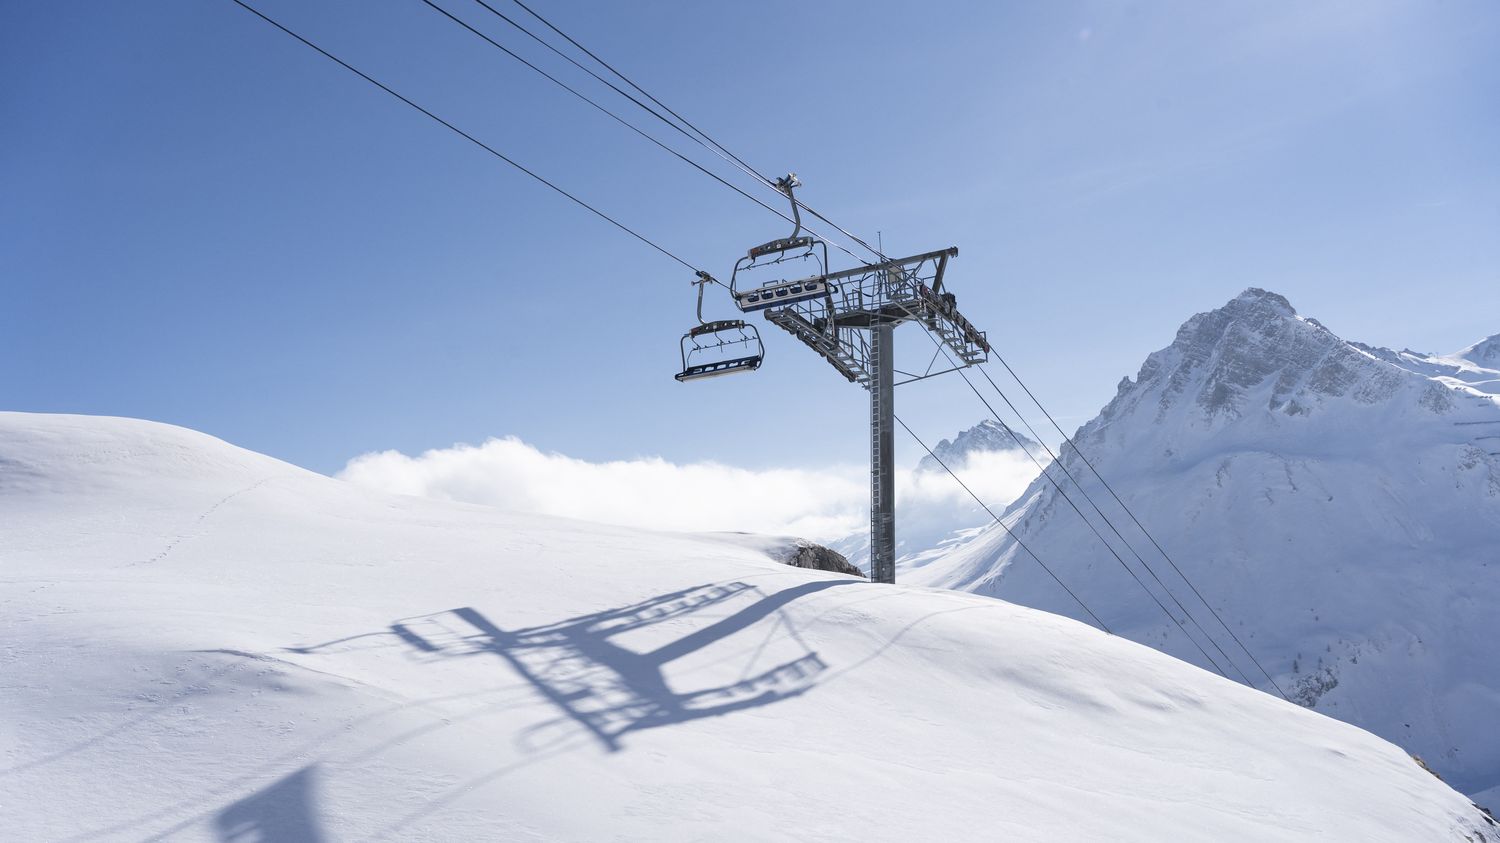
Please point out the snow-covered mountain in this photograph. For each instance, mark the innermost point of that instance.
(202, 643)
(1482, 360)
(1338, 504)
(989, 436)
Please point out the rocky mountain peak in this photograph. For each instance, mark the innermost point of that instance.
(1255, 352)
(1326, 491)
(1254, 298)
(988, 435)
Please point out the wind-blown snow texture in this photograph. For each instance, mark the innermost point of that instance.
(206, 643)
(1338, 504)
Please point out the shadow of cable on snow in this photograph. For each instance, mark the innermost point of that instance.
(582, 665)
(282, 812)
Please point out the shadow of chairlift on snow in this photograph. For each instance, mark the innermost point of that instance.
(610, 689)
(283, 812)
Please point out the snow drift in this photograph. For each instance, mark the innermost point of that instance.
(205, 643)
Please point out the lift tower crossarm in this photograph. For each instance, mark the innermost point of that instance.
(852, 327)
(950, 252)
(838, 327)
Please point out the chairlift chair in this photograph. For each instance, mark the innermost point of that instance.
(796, 246)
(723, 347)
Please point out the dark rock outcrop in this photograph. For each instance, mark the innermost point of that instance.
(805, 554)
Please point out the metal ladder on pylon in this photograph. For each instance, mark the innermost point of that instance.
(882, 455)
(820, 341)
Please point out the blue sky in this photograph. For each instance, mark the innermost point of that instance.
(205, 223)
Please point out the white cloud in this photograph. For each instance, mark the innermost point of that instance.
(823, 504)
(997, 477)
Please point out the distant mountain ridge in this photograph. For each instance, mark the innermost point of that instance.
(987, 436)
(1483, 354)
(1476, 367)
(1338, 503)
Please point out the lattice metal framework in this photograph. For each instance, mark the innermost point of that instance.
(910, 289)
(852, 327)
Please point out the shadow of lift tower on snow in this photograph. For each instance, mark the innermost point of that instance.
(610, 689)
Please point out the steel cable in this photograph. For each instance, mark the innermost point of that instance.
(466, 136)
(1002, 524)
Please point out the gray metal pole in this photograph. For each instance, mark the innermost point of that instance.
(882, 454)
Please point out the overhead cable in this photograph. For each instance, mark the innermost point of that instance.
(617, 118)
(1100, 536)
(708, 141)
(1069, 441)
(686, 127)
(466, 136)
(1003, 525)
(724, 152)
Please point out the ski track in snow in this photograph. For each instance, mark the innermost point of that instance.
(182, 537)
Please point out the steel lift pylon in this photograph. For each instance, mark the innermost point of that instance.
(849, 319)
(854, 331)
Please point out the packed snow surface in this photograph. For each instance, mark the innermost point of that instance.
(200, 642)
(1336, 503)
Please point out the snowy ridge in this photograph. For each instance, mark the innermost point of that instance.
(1476, 367)
(203, 643)
(1484, 354)
(986, 437)
(1338, 503)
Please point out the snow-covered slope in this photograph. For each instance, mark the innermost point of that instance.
(1338, 504)
(203, 643)
(1476, 367)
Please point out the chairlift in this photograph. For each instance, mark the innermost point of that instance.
(723, 347)
(795, 247)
